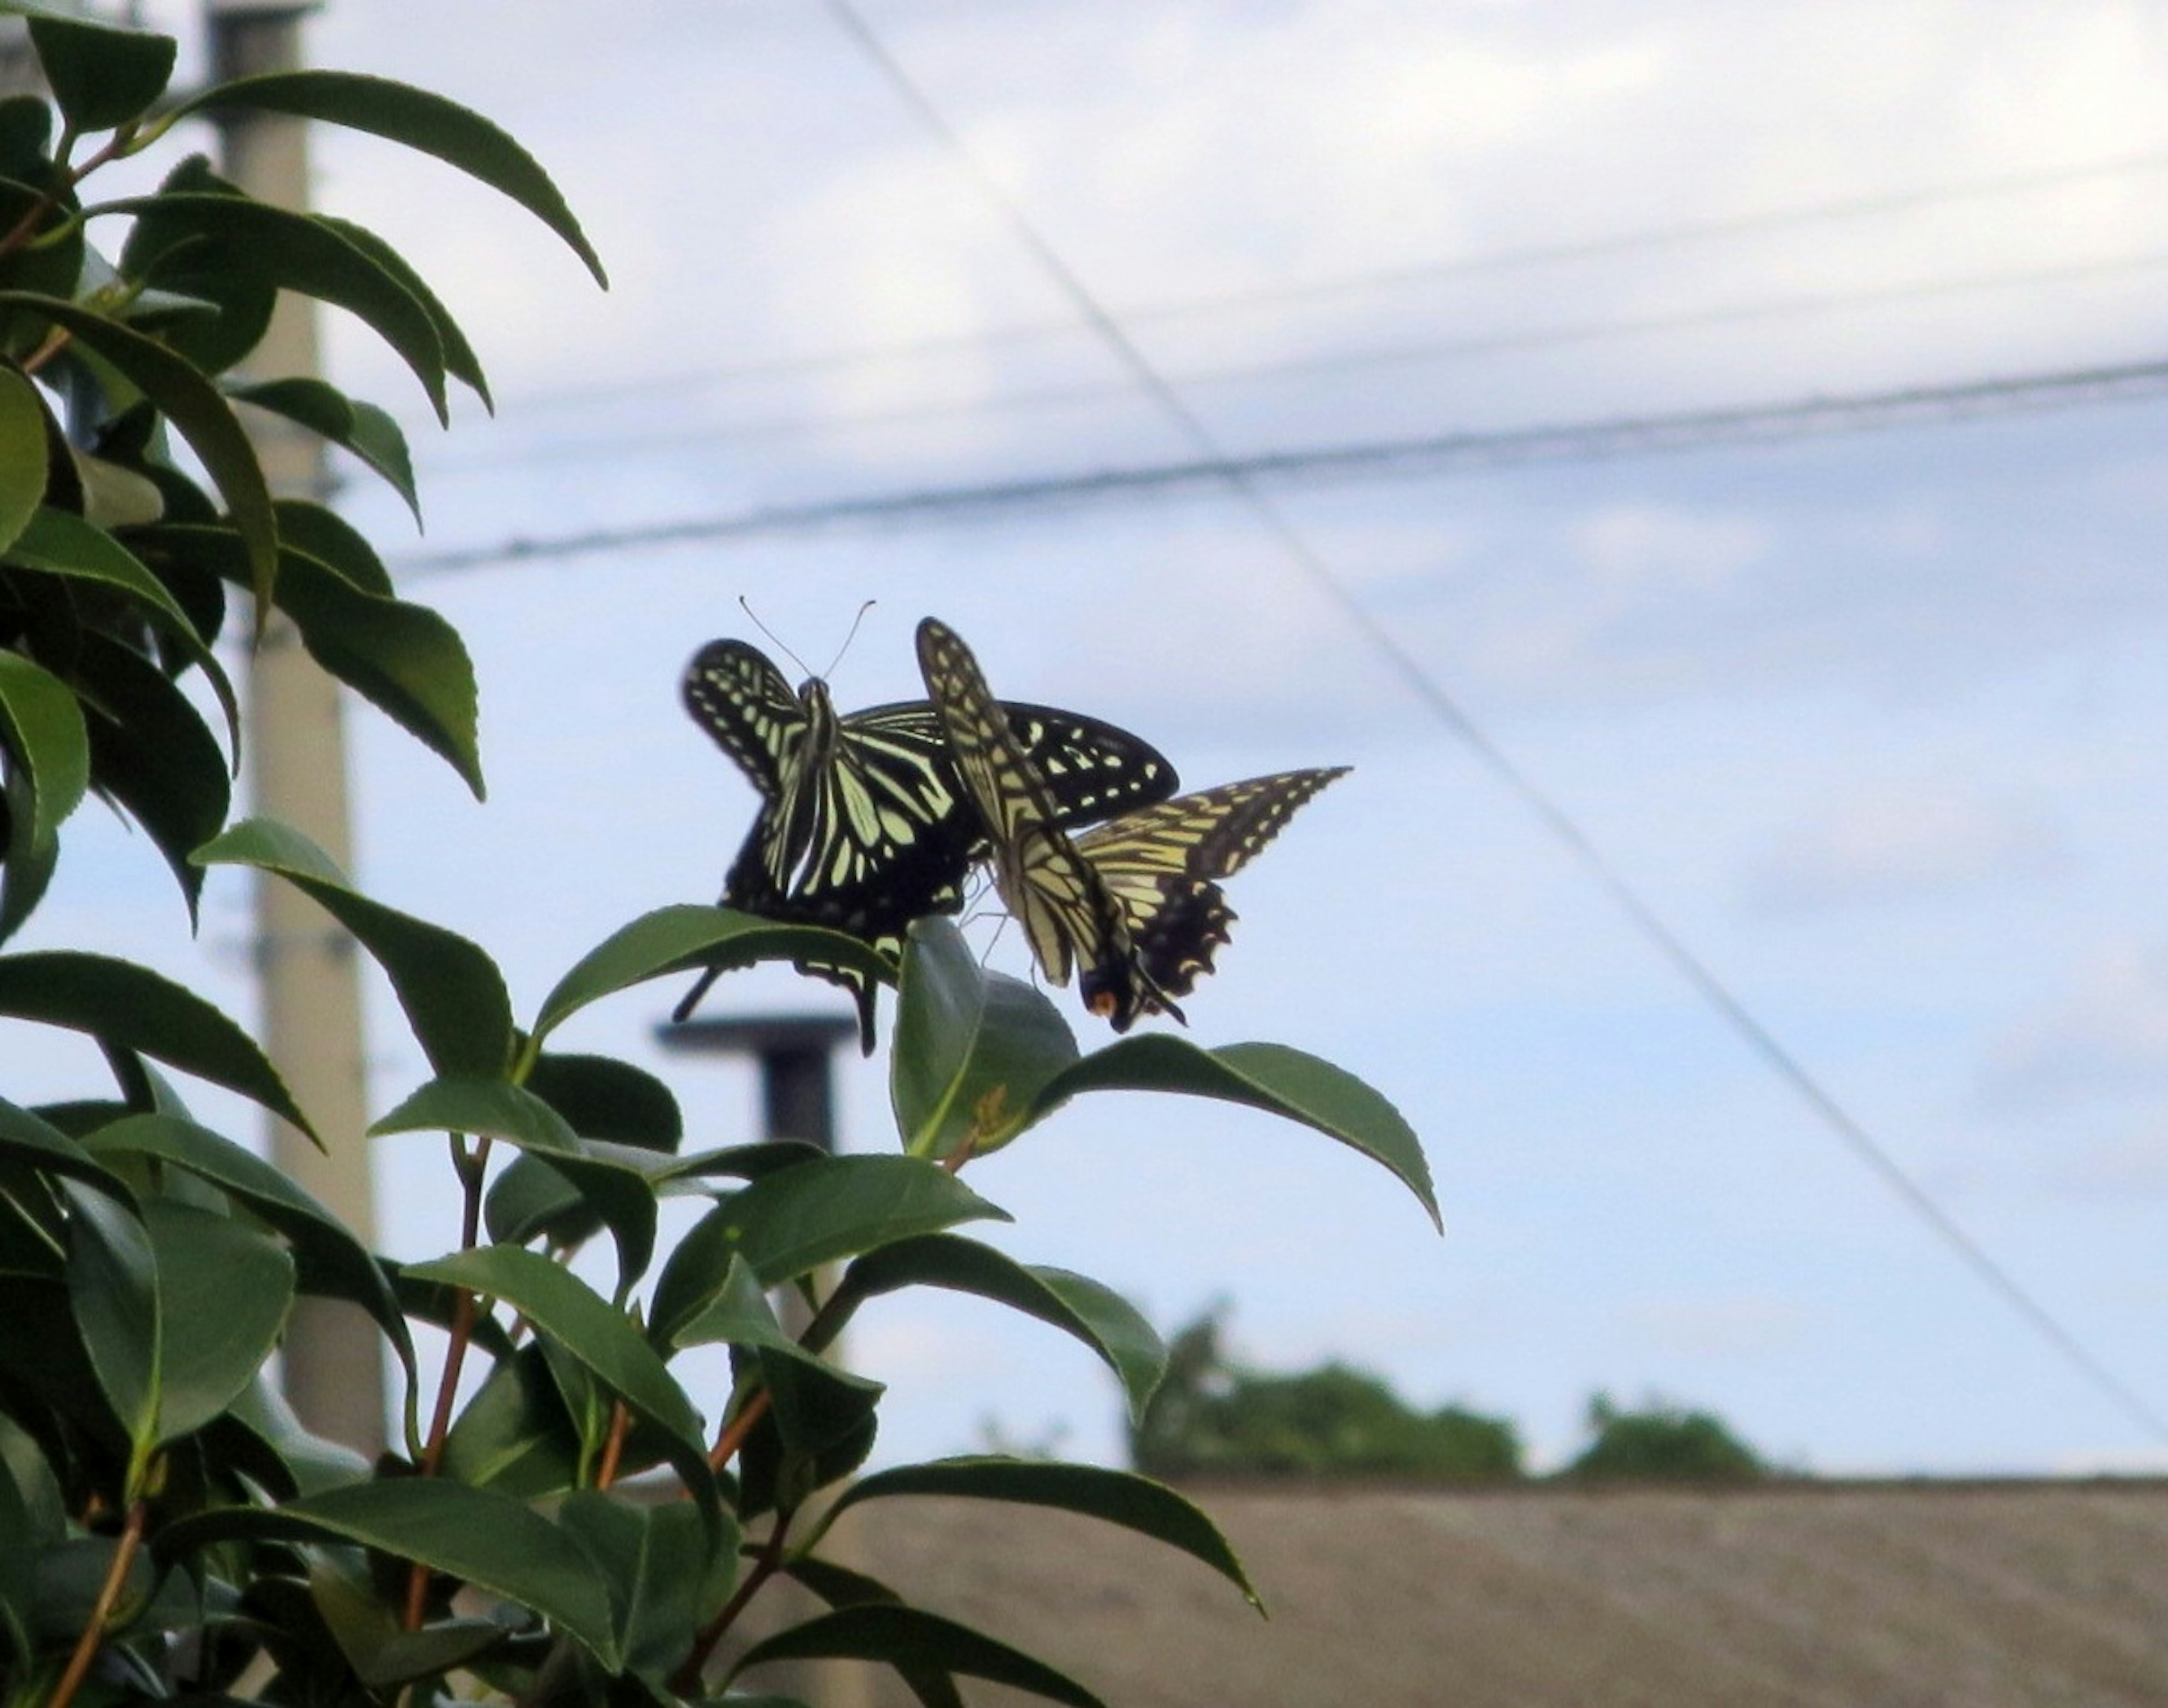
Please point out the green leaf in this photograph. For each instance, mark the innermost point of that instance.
(129, 1006)
(1270, 1077)
(367, 1628)
(676, 938)
(113, 1291)
(330, 1261)
(42, 725)
(101, 77)
(1117, 1497)
(621, 1195)
(907, 1638)
(363, 429)
(306, 253)
(453, 993)
(515, 1434)
(816, 1404)
(197, 411)
(22, 452)
(972, 1048)
(475, 1534)
(668, 1576)
(601, 1336)
(789, 1223)
(34, 1143)
(419, 120)
(224, 1293)
(1097, 1315)
(459, 360)
(318, 532)
(57, 543)
(151, 753)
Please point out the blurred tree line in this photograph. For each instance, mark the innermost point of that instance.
(1213, 1416)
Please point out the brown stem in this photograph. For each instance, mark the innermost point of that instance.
(734, 1434)
(613, 1446)
(686, 1680)
(472, 1169)
(19, 234)
(109, 1596)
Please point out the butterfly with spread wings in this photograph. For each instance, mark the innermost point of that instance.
(1133, 904)
(861, 827)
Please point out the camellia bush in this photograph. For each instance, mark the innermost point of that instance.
(584, 1525)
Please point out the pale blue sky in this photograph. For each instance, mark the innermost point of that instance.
(1875, 720)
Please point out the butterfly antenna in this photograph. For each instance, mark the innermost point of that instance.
(782, 645)
(851, 637)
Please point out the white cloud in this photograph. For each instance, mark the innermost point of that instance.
(2108, 1031)
(1896, 841)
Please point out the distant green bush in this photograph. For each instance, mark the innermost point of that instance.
(1662, 1443)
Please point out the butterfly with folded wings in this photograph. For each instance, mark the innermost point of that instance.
(863, 826)
(1134, 904)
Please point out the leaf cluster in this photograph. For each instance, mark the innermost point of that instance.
(590, 1523)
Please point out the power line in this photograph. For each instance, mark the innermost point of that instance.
(1324, 363)
(1711, 989)
(1218, 305)
(1758, 424)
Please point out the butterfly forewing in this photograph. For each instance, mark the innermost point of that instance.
(863, 826)
(1065, 912)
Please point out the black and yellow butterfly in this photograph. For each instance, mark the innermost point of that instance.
(861, 827)
(1133, 904)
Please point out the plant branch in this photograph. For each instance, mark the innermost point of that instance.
(686, 1680)
(109, 1597)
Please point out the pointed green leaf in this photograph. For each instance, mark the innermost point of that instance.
(359, 427)
(789, 1223)
(133, 1007)
(331, 1262)
(475, 1534)
(666, 1574)
(419, 120)
(908, 1638)
(515, 1435)
(459, 360)
(225, 1289)
(31, 1142)
(1097, 1315)
(620, 1195)
(113, 1291)
(56, 544)
(318, 532)
(674, 939)
(453, 993)
(1270, 1077)
(153, 756)
(1117, 1497)
(22, 452)
(601, 1336)
(197, 411)
(366, 1627)
(42, 725)
(972, 1048)
(101, 77)
(405, 660)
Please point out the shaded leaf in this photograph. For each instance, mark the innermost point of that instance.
(22, 452)
(197, 411)
(906, 1637)
(133, 1007)
(973, 1048)
(668, 1576)
(1117, 1497)
(42, 725)
(101, 77)
(113, 1292)
(475, 1534)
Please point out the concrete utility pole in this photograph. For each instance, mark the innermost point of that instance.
(309, 985)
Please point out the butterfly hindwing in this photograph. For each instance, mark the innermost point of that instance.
(1162, 863)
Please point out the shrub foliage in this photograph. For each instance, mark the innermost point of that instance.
(167, 1529)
